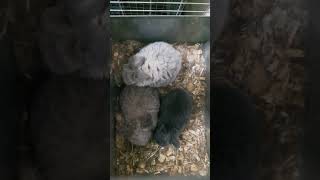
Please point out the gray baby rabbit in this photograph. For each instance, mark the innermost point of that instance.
(140, 107)
(175, 112)
(155, 65)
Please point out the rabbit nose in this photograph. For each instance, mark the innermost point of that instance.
(140, 137)
(162, 143)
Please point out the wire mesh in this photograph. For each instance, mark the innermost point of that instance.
(159, 8)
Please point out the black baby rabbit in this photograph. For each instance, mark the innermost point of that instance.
(175, 112)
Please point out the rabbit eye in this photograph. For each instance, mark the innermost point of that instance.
(147, 122)
(134, 76)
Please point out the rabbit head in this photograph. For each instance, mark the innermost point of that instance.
(161, 135)
(141, 133)
(132, 72)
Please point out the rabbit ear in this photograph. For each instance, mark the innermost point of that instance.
(149, 118)
(147, 121)
(122, 130)
(125, 67)
(137, 61)
(130, 62)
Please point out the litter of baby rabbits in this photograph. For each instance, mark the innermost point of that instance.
(191, 158)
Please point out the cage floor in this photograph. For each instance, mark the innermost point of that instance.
(192, 157)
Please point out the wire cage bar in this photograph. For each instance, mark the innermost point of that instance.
(159, 8)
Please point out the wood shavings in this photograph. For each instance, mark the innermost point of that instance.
(191, 158)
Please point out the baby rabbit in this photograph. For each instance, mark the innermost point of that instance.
(140, 107)
(69, 126)
(175, 112)
(155, 65)
(74, 49)
(236, 134)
